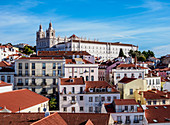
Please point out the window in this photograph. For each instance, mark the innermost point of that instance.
(81, 90)
(150, 82)
(33, 89)
(20, 72)
(92, 70)
(132, 108)
(133, 75)
(26, 82)
(119, 118)
(3, 78)
(54, 72)
(154, 102)
(54, 81)
(103, 99)
(43, 73)
(149, 102)
(131, 91)
(126, 108)
(135, 118)
(108, 98)
(125, 75)
(20, 65)
(64, 109)
(81, 98)
(75, 70)
(81, 70)
(92, 78)
(70, 70)
(8, 79)
(65, 90)
(26, 72)
(127, 119)
(153, 81)
(33, 72)
(96, 109)
(33, 65)
(75, 76)
(54, 66)
(141, 117)
(43, 66)
(87, 78)
(59, 72)
(96, 99)
(73, 90)
(163, 101)
(90, 109)
(69, 76)
(59, 66)
(26, 65)
(90, 99)
(64, 98)
(73, 98)
(81, 108)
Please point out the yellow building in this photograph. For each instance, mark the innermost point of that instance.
(128, 87)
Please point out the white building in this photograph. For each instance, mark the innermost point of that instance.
(5, 87)
(75, 68)
(104, 50)
(126, 70)
(23, 101)
(7, 50)
(7, 75)
(39, 74)
(166, 86)
(125, 111)
(79, 96)
(153, 82)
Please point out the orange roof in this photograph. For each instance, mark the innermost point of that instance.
(4, 64)
(20, 99)
(158, 114)
(125, 102)
(72, 81)
(155, 94)
(4, 84)
(89, 122)
(72, 61)
(54, 119)
(73, 36)
(99, 84)
(127, 80)
(41, 58)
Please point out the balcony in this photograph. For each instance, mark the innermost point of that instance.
(43, 83)
(43, 93)
(33, 84)
(20, 84)
(127, 122)
(72, 102)
(136, 121)
(119, 122)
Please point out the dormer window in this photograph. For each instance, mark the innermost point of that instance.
(71, 80)
(91, 89)
(109, 89)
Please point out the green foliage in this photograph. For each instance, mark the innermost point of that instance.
(27, 50)
(121, 54)
(53, 103)
(148, 54)
(141, 58)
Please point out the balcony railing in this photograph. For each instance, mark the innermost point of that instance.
(43, 83)
(136, 121)
(43, 93)
(20, 84)
(33, 84)
(127, 122)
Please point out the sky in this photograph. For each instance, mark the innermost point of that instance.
(145, 23)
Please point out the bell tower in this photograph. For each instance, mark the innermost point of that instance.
(40, 33)
(50, 33)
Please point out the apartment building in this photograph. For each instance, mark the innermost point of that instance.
(78, 67)
(128, 71)
(153, 82)
(79, 96)
(125, 111)
(39, 74)
(7, 75)
(104, 50)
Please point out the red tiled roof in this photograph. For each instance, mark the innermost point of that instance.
(96, 42)
(79, 118)
(54, 119)
(72, 61)
(2, 84)
(127, 80)
(61, 53)
(20, 118)
(155, 94)
(40, 58)
(89, 122)
(158, 114)
(4, 64)
(76, 81)
(22, 99)
(73, 36)
(99, 84)
(125, 102)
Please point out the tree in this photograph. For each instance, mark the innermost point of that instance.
(53, 103)
(148, 54)
(142, 58)
(121, 54)
(27, 50)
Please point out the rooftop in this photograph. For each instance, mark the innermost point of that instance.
(20, 99)
(127, 80)
(72, 81)
(40, 58)
(77, 61)
(2, 84)
(125, 102)
(158, 114)
(4, 64)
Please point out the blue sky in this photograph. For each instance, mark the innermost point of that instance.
(145, 23)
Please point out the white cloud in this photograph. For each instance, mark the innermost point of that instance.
(161, 50)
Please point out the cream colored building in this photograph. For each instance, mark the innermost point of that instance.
(39, 74)
(128, 87)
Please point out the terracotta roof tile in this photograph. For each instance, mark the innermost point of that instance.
(4, 64)
(54, 119)
(72, 81)
(2, 84)
(79, 118)
(125, 102)
(127, 80)
(20, 118)
(158, 114)
(41, 58)
(22, 99)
